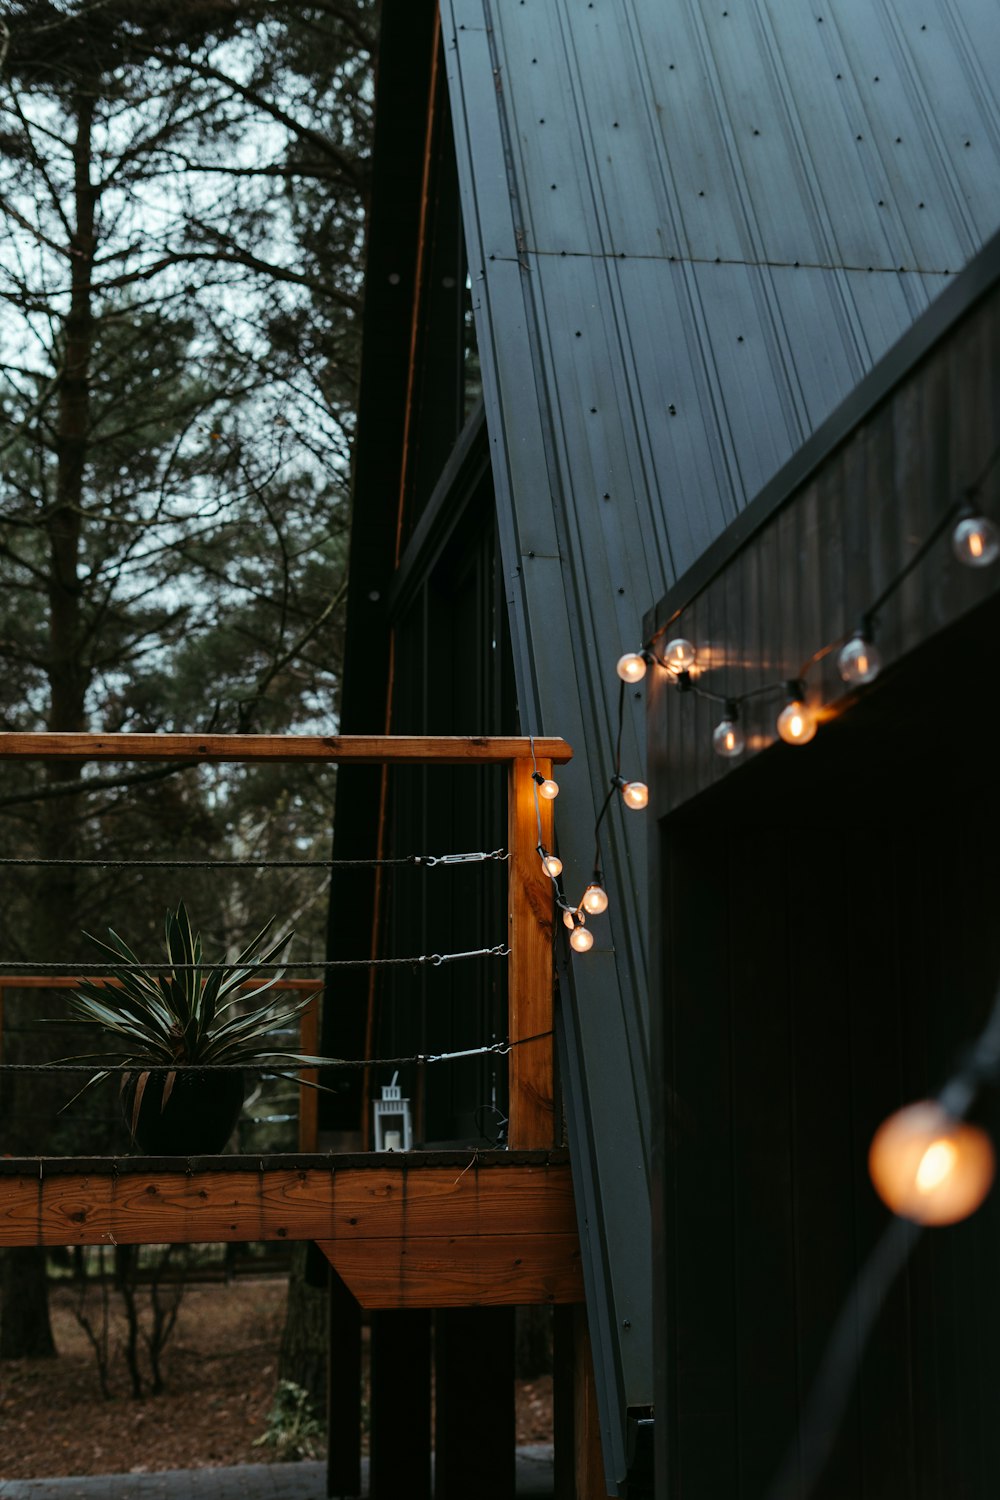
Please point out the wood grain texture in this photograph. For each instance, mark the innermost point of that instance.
(351, 1204)
(488, 1270)
(531, 1108)
(447, 750)
(590, 1478)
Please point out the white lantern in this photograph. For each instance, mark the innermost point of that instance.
(393, 1126)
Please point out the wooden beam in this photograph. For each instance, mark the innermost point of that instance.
(531, 1107)
(336, 1205)
(484, 1270)
(453, 750)
(591, 1483)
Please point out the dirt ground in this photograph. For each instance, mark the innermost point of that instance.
(220, 1371)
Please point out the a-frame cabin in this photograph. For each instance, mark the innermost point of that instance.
(664, 242)
(625, 257)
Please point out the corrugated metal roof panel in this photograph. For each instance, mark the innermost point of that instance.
(686, 224)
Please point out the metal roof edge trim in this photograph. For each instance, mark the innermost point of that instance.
(973, 283)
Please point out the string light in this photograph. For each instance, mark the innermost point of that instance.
(547, 788)
(728, 739)
(632, 666)
(796, 722)
(635, 794)
(595, 897)
(860, 660)
(928, 1166)
(551, 864)
(569, 917)
(975, 540)
(582, 939)
(679, 655)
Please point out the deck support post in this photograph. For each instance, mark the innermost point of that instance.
(474, 1428)
(343, 1392)
(579, 1465)
(400, 1405)
(590, 1481)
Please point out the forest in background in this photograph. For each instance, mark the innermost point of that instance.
(182, 191)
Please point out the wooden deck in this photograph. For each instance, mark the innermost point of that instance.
(420, 1229)
(413, 1230)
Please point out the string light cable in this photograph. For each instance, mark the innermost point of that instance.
(594, 900)
(975, 542)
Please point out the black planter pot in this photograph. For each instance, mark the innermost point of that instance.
(198, 1118)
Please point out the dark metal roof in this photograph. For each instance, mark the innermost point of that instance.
(692, 229)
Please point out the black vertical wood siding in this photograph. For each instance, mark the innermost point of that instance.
(827, 943)
(823, 964)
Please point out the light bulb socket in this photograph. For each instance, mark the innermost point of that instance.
(795, 690)
(731, 710)
(682, 681)
(537, 776)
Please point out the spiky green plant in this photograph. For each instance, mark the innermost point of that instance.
(192, 1013)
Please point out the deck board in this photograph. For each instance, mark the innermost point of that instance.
(414, 1229)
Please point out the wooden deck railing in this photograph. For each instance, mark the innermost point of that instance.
(530, 906)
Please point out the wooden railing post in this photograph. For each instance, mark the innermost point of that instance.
(308, 1097)
(531, 1108)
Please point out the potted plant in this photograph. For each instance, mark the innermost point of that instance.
(181, 1028)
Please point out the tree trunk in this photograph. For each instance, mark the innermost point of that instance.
(303, 1342)
(25, 1330)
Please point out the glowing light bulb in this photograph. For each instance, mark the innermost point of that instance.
(635, 794)
(935, 1165)
(552, 865)
(549, 789)
(976, 541)
(595, 899)
(796, 722)
(929, 1167)
(728, 740)
(860, 660)
(631, 667)
(679, 655)
(569, 918)
(581, 939)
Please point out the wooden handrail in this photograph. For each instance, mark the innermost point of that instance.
(441, 749)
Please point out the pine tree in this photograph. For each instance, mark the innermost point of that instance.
(181, 198)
